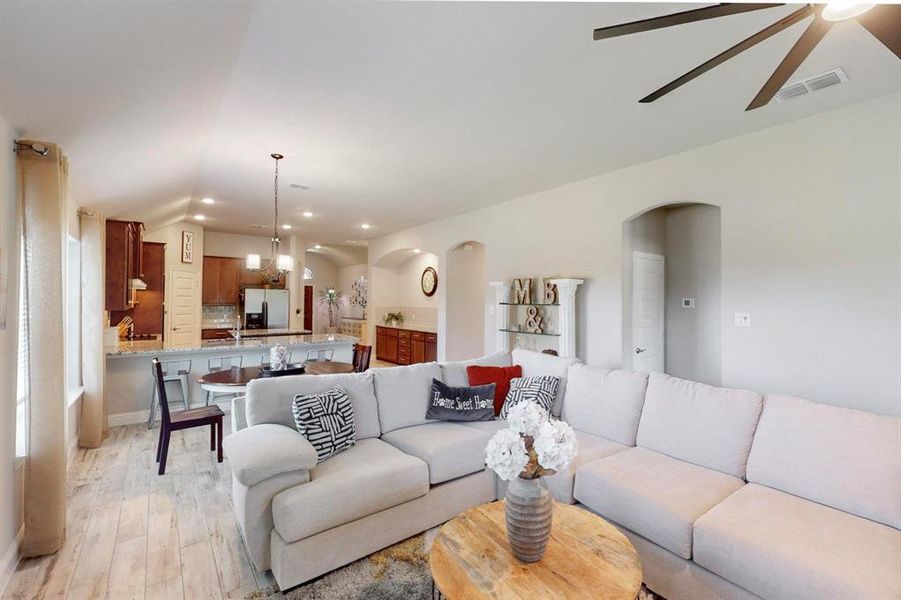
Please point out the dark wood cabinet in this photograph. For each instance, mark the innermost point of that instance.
(124, 262)
(221, 280)
(405, 346)
(148, 310)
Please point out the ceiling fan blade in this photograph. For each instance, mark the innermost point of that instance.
(801, 50)
(795, 17)
(884, 22)
(680, 18)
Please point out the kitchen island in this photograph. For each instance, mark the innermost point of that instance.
(129, 384)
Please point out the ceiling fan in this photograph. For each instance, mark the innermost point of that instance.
(883, 21)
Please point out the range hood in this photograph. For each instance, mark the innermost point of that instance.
(137, 284)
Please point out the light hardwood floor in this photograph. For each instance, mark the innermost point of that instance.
(133, 534)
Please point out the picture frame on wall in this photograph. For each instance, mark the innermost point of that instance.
(187, 247)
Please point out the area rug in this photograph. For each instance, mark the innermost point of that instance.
(399, 572)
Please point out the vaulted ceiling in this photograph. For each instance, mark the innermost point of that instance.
(388, 113)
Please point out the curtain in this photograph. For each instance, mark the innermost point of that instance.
(93, 322)
(42, 185)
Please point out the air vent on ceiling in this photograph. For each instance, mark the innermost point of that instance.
(812, 84)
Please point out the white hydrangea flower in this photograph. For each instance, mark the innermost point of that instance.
(555, 445)
(506, 454)
(526, 418)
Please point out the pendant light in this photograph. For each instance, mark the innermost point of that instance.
(282, 263)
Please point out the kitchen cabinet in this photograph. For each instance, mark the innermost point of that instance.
(124, 253)
(221, 280)
(405, 346)
(148, 310)
(215, 334)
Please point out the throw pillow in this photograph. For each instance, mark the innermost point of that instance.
(541, 390)
(326, 420)
(461, 403)
(499, 376)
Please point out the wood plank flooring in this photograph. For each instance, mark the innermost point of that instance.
(131, 534)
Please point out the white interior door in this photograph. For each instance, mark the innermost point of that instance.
(647, 312)
(182, 310)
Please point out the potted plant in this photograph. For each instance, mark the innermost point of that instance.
(533, 445)
(393, 319)
(331, 299)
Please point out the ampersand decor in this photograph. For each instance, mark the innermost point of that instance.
(534, 320)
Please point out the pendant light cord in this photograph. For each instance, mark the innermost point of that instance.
(275, 224)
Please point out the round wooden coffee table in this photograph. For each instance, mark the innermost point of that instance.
(586, 557)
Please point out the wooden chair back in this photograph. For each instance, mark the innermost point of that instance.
(362, 355)
(161, 388)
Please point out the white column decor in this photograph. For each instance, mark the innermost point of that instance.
(566, 296)
(501, 314)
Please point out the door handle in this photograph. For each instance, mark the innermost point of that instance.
(640, 350)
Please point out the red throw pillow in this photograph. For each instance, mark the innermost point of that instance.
(500, 376)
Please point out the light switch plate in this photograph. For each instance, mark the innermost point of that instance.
(742, 319)
(688, 302)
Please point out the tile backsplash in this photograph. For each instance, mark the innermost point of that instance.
(217, 316)
(414, 317)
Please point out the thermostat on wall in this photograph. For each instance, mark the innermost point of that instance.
(688, 302)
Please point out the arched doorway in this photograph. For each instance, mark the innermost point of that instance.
(671, 291)
(465, 292)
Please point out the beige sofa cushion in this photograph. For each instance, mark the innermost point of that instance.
(655, 496)
(604, 402)
(780, 546)
(403, 394)
(535, 364)
(263, 451)
(844, 458)
(450, 449)
(270, 399)
(454, 373)
(364, 479)
(708, 426)
(489, 427)
(591, 447)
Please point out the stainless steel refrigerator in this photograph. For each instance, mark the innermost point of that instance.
(266, 309)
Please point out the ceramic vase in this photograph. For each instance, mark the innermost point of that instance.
(529, 512)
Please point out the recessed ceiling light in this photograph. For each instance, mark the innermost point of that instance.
(286, 226)
(416, 250)
(307, 214)
(208, 201)
(365, 225)
(317, 246)
(199, 217)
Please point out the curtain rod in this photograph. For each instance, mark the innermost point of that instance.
(36, 147)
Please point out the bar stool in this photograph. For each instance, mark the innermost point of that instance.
(264, 359)
(173, 370)
(218, 363)
(321, 354)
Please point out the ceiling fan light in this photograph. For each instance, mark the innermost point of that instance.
(841, 11)
(253, 261)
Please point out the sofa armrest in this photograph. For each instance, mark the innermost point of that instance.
(266, 450)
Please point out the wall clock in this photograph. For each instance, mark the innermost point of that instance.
(429, 281)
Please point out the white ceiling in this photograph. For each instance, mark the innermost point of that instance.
(393, 114)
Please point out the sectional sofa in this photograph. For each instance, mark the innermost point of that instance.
(724, 493)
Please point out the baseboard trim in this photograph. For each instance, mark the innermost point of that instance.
(141, 416)
(10, 560)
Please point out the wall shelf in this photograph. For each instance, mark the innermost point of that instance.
(529, 303)
(518, 332)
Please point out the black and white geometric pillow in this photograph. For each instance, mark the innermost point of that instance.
(541, 390)
(326, 420)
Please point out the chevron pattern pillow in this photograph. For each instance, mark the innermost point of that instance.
(326, 420)
(541, 390)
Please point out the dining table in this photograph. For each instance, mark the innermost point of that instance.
(235, 380)
(327, 367)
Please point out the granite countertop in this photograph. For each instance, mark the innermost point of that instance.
(256, 333)
(410, 327)
(154, 347)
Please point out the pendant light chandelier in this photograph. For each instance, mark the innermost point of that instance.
(282, 263)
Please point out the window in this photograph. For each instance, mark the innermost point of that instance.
(307, 275)
(73, 319)
(22, 372)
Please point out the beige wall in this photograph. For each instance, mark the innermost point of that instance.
(810, 247)
(171, 236)
(693, 271)
(325, 275)
(464, 278)
(10, 475)
(346, 278)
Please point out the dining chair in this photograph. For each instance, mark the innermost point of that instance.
(362, 354)
(185, 419)
(173, 370)
(219, 363)
(321, 354)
